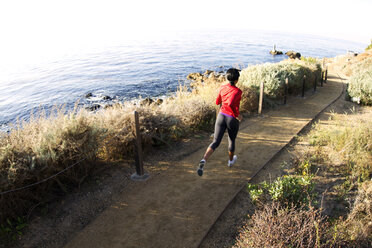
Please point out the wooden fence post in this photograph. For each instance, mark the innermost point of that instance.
(140, 175)
(315, 82)
(303, 86)
(285, 90)
(321, 80)
(326, 74)
(261, 98)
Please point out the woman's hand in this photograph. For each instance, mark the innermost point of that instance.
(240, 118)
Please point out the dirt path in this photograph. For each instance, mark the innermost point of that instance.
(176, 208)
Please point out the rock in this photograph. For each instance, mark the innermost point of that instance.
(88, 95)
(207, 72)
(275, 52)
(293, 55)
(159, 101)
(352, 54)
(195, 76)
(107, 98)
(93, 107)
(212, 77)
(147, 101)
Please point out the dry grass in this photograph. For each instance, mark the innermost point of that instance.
(344, 144)
(40, 148)
(347, 140)
(356, 230)
(347, 64)
(277, 226)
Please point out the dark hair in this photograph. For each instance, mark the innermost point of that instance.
(232, 75)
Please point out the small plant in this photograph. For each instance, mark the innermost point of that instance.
(292, 190)
(255, 192)
(305, 168)
(11, 230)
(288, 190)
(343, 189)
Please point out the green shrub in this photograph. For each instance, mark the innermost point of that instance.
(287, 190)
(10, 231)
(274, 76)
(360, 83)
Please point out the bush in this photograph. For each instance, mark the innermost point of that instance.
(274, 76)
(360, 83)
(287, 190)
(249, 101)
(36, 150)
(277, 226)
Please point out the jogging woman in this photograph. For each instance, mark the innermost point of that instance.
(228, 118)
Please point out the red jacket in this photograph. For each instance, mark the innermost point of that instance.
(230, 97)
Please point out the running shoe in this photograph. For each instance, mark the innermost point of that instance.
(201, 167)
(230, 163)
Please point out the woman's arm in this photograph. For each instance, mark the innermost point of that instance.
(218, 99)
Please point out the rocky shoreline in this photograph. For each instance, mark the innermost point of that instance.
(194, 78)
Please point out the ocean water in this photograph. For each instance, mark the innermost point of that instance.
(147, 68)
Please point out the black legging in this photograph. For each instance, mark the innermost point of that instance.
(222, 123)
